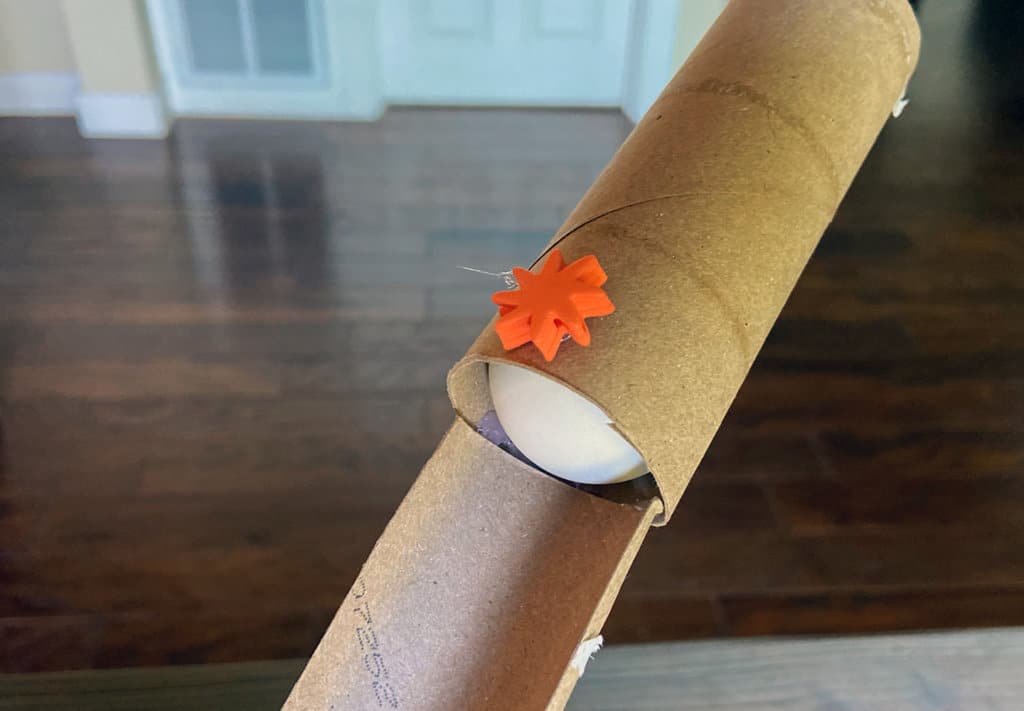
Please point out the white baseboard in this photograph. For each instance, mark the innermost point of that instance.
(122, 115)
(38, 93)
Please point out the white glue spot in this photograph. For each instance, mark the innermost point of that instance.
(585, 652)
(901, 104)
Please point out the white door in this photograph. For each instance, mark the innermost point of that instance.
(504, 52)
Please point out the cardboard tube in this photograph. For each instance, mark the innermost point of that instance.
(709, 211)
(492, 576)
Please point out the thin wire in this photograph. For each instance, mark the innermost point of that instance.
(507, 277)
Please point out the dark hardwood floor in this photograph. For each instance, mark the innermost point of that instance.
(222, 364)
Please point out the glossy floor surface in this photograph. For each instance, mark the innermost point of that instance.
(222, 363)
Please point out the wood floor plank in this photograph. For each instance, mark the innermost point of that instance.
(972, 507)
(872, 611)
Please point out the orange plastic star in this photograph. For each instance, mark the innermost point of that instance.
(552, 303)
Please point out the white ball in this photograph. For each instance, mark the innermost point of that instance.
(560, 431)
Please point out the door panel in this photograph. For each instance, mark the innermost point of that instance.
(282, 37)
(246, 44)
(213, 36)
(456, 18)
(565, 18)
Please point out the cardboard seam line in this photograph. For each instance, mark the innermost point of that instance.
(671, 196)
(747, 93)
(690, 265)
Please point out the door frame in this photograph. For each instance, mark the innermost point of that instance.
(649, 53)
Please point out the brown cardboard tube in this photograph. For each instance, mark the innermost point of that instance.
(491, 574)
(709, 211)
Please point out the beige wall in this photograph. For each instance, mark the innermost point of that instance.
(111, 45)
(33, 37)
(106, 42)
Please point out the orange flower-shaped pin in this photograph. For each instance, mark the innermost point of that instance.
(552, 303)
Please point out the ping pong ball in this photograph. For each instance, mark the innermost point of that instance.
(559, 430)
